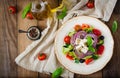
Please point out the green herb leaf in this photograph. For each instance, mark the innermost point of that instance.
(89, 41)
(114, 26)
(64, 9)
(92, 49)
(26, 10)
(57, 72)
(95, 56)
(66, 45)
(63, 13)
(77, 60)
(88, 30)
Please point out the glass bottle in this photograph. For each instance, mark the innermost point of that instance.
(40, 9)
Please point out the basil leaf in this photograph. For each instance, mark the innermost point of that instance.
(77, 60)
(95, 56)
(64, 9)
(57, 72)
(92, 49)
(26, 10)
(88, 30)
(89, 41)
(66, 45)
(114, 26)
(63, 13)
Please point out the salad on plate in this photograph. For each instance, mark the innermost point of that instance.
(83, 44)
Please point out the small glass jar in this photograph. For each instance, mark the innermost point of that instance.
(40, 9)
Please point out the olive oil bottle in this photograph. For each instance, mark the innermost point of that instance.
(40, 9)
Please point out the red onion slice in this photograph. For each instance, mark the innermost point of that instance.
(80, 34)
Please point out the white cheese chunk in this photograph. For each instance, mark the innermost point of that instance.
(78, 48)
(77, 41)
(81, 45)
(84, 50)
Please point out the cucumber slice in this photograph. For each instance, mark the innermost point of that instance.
(87, 57)
(71, 33)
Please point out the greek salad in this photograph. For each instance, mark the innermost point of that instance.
(83, 44)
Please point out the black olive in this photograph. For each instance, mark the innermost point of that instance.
(82, 60)
(101, 37)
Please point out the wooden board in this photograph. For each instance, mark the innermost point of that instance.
(12, 43)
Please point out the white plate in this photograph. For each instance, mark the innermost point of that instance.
(82, 68)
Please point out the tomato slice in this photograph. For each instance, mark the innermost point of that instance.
(87, 61)
(77, 27)
(69, 57)
(100, 50)
(85, 26)
(96, 32)
(67, 39)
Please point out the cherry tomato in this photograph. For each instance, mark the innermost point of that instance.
(42, 56)
(87, 61)
(69, 57)
(96, 32)
(85, 26)
(90, 4)
(77, 27)
(12, 9)
(100, 50)
(29, 15)
(67, 39)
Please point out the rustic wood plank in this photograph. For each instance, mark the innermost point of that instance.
(94, 75)
(23, 41)
(112, 69)
(9, 46)
(8, 40)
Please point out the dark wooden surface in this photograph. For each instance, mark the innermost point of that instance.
(11, 43)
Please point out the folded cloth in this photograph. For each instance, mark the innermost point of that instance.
(28, 58)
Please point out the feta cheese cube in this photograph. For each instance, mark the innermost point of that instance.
(77, 41)
(81, 45)
(84, 50)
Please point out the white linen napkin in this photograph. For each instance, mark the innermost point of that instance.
(28, 58)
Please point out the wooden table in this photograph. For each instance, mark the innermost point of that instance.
(12, 43)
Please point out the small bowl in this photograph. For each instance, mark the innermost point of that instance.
(34, 33)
